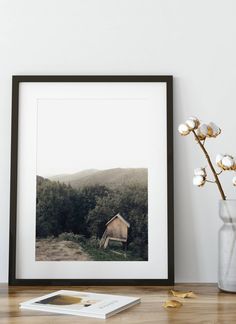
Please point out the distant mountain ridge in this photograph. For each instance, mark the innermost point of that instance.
(111, 177)
(66, 178)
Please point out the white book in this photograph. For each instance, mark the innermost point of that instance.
(81, 303)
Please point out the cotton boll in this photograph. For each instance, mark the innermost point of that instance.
(203, 129)
(219, 158)
(209, 131)
(200, 172)
(215, 129)
(195, 119)
(200, 136)
(191, 124)
(234, 181)
(198, 180)
(183, 129)
(227, 162)
(202, 132)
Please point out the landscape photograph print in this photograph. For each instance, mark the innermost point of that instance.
(92, 180)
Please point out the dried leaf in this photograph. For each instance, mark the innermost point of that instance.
(172, 304)
(183, 294)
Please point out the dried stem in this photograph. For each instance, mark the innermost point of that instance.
(217, 181)
(210, 181)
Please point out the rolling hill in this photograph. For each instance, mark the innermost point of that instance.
(67, 178)
(111, 178)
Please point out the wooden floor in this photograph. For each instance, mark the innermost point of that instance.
(210, 306)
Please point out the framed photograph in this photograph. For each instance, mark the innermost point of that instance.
(91, 180)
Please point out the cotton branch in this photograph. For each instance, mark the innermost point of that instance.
(217, 181)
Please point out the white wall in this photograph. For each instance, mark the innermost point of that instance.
(192, 40)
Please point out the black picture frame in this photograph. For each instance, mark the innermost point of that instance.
(16, 81)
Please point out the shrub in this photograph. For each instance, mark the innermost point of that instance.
(72, 237)
(93, 242)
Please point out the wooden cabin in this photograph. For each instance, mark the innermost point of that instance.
(116, 230)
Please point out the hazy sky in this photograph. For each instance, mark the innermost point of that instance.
(78, 134)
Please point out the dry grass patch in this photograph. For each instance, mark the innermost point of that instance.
(54, 250)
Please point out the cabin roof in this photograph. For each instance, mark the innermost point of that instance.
(120, 217)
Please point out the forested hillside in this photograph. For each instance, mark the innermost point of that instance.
(83, 212)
